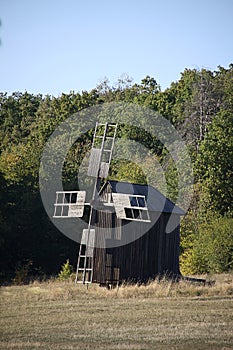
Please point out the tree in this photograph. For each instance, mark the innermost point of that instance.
(214, 166)
(209, 246)
(199, 104)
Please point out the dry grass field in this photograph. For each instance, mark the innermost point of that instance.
(63, 316)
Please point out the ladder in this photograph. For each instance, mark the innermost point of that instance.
(84, 271)
(101, 155)
(102, 148)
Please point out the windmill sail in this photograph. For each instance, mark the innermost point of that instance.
(131, 207)
(102, 148)
(94, 163)
(99, 164)
(69, 204)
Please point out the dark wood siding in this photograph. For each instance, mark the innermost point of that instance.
(147, 256)
(154, 253)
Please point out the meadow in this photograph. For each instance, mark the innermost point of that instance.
(161, 315)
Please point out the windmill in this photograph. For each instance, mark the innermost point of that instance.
(70, 204)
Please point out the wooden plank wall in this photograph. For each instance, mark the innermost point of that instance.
(155, 253)
(147, 256)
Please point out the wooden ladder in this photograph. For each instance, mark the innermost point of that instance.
(102, 149)
(84, 273)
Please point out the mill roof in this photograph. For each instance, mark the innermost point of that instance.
(156, 201)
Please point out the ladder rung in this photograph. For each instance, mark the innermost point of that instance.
(106, 138)
(86, 269)
(85, 282)
(114, 125)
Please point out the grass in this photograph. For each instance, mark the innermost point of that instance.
(60, 315)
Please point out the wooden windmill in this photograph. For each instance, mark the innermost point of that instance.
(149, 254)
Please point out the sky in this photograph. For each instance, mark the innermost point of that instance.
(54, 47)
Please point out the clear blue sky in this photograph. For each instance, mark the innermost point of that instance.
(54, 46)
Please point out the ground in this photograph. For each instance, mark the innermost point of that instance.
(60, 315)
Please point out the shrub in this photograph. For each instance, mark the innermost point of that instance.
(22, 273)
(212, 247)
(66, 271)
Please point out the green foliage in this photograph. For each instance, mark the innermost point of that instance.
(128, 171)
(210, 248)
(66, 271)
(214, 164)
(199, 104)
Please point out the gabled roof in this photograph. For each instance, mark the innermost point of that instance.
(156, 201)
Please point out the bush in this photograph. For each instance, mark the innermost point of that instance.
(66, 271)
(22, 273)
(211, 249)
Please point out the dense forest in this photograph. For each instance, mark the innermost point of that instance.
(199, 105)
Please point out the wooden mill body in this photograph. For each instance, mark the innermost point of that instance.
(142, 252)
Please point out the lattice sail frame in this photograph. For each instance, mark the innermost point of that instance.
(69, 204)
(131, 207)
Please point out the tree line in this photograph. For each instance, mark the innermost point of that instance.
(199, 105)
